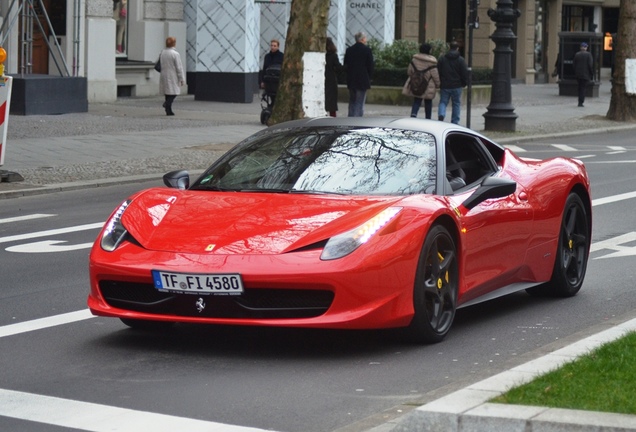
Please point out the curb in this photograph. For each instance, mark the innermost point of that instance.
(468, 410)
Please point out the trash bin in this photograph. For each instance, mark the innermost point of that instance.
(569, 45)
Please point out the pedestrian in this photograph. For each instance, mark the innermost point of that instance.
(171, 77)
(424, 65)
(359, 63)
(583, 65)
(332, 66)
(453, 75)
(273, 57)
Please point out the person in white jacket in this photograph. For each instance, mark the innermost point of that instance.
(172, 77)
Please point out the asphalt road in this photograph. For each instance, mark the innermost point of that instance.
(274, 379)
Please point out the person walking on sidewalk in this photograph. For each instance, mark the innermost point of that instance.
(172, 78)
(426, 64)
(453, 75)
(332, 66)
(583, 64)
(359, 61)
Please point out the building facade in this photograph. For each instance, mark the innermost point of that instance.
(114, 43)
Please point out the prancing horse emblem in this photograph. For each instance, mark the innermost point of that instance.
(200, 305)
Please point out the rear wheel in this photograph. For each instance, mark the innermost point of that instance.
(436, 286)
(572, 252)
(147, 325)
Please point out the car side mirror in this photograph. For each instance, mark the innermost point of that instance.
(177, 179)
(491, 187)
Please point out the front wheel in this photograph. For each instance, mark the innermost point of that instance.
(573, 249)
(436, 287)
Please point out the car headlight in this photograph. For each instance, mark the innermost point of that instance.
(115, 232)
(345, 243)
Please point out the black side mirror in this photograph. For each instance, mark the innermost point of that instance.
(491, 187)
(177, 179)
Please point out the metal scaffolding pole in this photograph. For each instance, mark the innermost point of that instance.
(28, 16)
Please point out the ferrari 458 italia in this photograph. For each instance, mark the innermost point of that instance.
(348, 223)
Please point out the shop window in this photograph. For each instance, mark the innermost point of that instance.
(120, 15)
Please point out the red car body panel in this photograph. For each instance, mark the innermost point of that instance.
(276, 240)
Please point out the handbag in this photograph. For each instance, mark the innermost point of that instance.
(123, 12)
(158, 65)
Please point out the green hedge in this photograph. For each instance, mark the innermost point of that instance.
(397, 76)
(391, 62)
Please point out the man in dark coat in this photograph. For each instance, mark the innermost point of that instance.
(273, 57)
(583, 64)
(359, 63)
(453, 76)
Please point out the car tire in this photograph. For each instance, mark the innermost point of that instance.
(436, 287)
(147, 325)
(573, 250)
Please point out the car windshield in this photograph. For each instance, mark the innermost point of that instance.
(328, 160)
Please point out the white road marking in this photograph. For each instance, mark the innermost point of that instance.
(614, 198)
(51, 232)
(42, 323)
(563, 147)
(619, 245)
(46, 246)
(100, 418)
(27, 217)
(515, 148)
(617, 148)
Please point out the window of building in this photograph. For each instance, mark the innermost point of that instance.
(120, 15)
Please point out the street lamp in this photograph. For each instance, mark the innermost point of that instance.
(501, 115)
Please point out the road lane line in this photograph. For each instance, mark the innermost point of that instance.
(94, 417)
(26, 217)
(613, 198)
(564, 147)
(51, 232)
(42, 323)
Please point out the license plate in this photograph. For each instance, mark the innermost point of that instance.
(194, 283)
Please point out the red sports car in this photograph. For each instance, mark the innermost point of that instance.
(348, 223)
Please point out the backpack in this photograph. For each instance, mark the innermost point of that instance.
(419, 83)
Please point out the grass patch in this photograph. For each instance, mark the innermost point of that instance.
(603, 380)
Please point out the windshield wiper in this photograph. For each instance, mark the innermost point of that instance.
(266, 190)
(314, 192)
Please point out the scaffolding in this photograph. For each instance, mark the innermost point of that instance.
(26, 12)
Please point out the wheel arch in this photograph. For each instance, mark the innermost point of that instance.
(582, 192)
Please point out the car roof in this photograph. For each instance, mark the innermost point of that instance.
(434, 127)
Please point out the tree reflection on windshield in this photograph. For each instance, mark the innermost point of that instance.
(361, 161)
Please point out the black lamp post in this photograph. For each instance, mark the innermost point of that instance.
(501, 115)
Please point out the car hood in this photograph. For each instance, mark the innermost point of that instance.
(243, 222)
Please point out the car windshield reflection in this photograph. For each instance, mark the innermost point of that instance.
(365, 161)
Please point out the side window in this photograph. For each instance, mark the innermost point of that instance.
(466, 161)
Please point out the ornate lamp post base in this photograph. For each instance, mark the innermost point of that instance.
(500, 115)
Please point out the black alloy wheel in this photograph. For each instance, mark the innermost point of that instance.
(572, 252)
(436, 286)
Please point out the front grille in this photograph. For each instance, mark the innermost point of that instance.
(253, 303)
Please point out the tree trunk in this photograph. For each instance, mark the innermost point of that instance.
(307, 31)
(623, 105)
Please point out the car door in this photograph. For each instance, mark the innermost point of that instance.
(495, 234)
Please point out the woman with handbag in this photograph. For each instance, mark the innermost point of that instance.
(171, 77)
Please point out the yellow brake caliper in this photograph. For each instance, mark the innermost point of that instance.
(439, 280)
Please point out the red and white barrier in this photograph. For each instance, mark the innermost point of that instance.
(5, 99)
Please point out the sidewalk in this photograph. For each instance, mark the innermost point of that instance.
(132, 137)
(132, 140)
